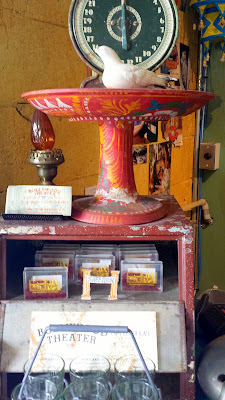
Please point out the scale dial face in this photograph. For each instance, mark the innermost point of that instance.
(151, 29)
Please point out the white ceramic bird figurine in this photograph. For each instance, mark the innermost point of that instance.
(117, 75)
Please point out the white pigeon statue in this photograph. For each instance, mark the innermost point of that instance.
(117, 75)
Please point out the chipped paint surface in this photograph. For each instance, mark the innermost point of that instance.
(135, 228)
(191, 365)
(188, 251)
(117, 194)
(189, 240)
(52, 230)
(175, 223)
(21, 230)
(161, 228)
(192, 378)
(180, 229)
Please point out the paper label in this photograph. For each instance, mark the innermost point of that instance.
(141, 276)
(111, 345)
(97, 263)
(97, 268)
(45, 284)
(38, 199)
(55, 261)
(101, 279)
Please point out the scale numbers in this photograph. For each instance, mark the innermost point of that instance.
(152, 27)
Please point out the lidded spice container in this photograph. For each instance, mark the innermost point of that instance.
(45, 283)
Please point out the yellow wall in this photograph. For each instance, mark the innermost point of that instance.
(182, 157)
(36, 53)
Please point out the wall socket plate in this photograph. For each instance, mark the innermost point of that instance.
(209, 155)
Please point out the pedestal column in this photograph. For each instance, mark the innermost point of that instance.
(116, 200)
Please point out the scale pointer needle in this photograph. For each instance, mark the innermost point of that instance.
(124, 26)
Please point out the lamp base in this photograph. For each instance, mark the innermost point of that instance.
(107, 212)
(47, 162)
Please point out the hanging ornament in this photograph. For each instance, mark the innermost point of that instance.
(211, 24)
(222, 21)
(201, 25)
(222, 57)
(205, 64)
(222, 48)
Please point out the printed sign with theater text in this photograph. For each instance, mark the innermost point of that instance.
(111, 345)
(39, 200)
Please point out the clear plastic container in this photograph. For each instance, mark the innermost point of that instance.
(45, 283)
(98, 250)
(127, 255)
(57, 258)
(141, 276)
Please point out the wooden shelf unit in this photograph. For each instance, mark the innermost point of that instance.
(174, 307)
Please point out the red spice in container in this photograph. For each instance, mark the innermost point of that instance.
(54, 295)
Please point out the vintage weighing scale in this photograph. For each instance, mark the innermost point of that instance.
(142, 32)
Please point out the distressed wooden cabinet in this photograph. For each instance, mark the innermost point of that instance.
(174, 307)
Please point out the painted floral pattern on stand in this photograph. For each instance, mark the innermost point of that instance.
(106, 104)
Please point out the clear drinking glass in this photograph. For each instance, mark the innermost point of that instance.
(51, 367)
(86, 388)
(35, 389)
(134, 390)
(131, 367)
(93, 366)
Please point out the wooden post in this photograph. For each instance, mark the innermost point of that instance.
(113, 289)
(86, 285)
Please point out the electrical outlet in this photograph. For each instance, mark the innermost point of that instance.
(209, 155)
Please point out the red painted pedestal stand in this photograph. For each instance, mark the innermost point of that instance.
(116, 200)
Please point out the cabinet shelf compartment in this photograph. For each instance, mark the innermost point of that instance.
(20, 254)
(174, 307)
